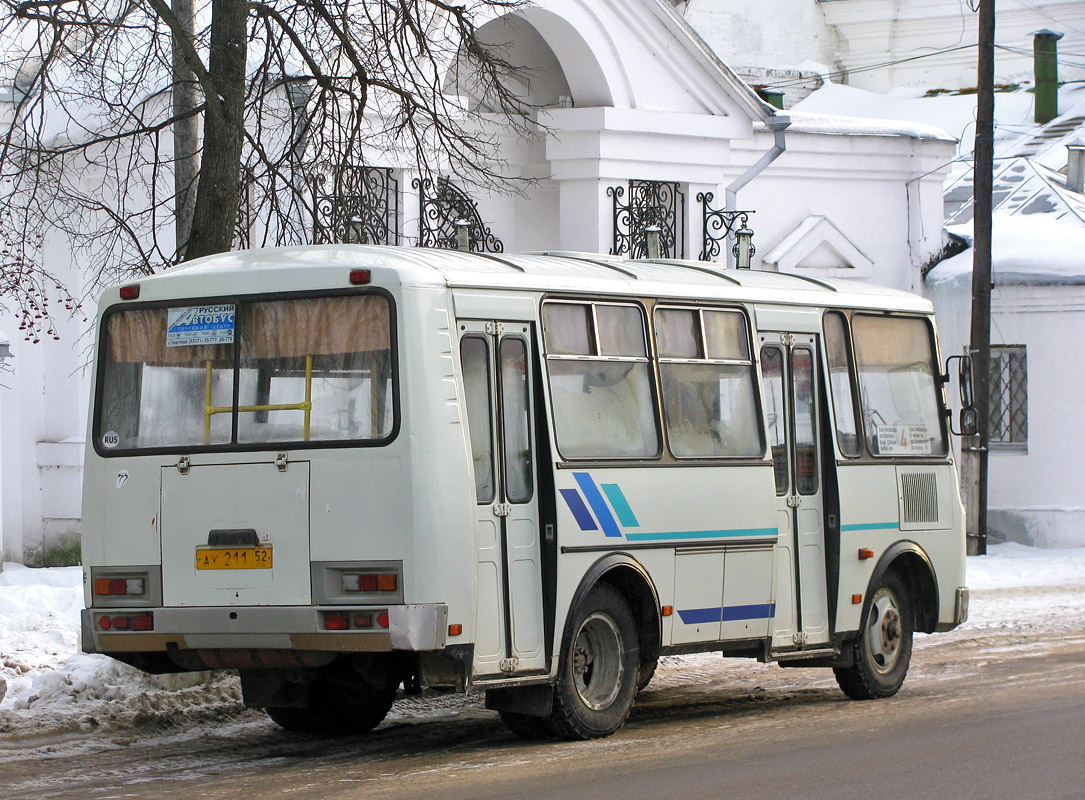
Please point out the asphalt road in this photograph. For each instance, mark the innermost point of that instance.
(988, 715)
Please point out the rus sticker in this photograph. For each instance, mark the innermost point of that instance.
(110, 439)
(194, 325)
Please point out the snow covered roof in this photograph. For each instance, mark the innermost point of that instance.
(840, 125)
(1033, 249)
(1021, 186)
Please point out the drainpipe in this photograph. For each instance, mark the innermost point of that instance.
(778, 123)
(1045, 65)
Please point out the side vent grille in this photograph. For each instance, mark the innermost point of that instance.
(920, 490)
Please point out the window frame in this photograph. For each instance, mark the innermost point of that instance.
(243, 447)
(755, 376)
(1009, 446)
(853, 383)
(548, 358)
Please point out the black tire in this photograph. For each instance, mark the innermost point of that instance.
(645, 673)
(531, 728)
(337, 710)
(883, 649)
(597, 677)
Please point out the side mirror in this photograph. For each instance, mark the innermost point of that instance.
(970, 420)
(964, 378)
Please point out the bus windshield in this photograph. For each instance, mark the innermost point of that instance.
(314, 369)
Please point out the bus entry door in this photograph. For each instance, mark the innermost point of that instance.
(497, 363)
(789, 374)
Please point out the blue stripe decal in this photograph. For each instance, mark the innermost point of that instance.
(580, 512)
(727, 534)
(871, 526)
(762, 611)
(598, 504)
(620, 505)
(699, 616)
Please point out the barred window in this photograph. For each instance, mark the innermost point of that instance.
(1007, 425)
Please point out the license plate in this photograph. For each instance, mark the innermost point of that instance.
(234, 558)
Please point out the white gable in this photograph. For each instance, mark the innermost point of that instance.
(817, 245)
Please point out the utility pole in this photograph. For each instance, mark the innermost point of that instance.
(974, 448)
(186, 165)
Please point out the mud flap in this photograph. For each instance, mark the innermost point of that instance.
(531, 701)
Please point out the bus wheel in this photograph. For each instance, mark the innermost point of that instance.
(597, 678)
(884, 646)
(336, 710)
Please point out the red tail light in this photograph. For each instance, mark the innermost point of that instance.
(130, 292)
(336, 622)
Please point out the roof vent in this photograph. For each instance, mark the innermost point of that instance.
(1075, 167)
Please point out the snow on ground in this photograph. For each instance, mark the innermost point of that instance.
(54, 690)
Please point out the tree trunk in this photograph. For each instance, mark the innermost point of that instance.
(219, 190)
(186, 132)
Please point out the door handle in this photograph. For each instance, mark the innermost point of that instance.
(793, 501)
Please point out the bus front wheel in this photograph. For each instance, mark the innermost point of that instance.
(597, 678)
(883, 649)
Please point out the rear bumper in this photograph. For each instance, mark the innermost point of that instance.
(418, 627)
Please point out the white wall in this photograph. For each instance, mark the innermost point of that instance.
(872, 32)
(763, 33)
(1034, 497)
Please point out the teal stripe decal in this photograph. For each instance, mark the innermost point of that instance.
(871, 526)
(620, 505)
(730, 534)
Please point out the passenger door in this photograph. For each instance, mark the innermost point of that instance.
(497, 362)
(790, 383)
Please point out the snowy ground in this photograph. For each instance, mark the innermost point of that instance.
(54, 692)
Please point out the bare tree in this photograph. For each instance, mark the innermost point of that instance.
(279, 89)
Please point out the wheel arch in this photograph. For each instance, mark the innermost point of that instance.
(630, 579)
(914, 567)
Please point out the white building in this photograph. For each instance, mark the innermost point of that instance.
(881, 45)
(635, 105)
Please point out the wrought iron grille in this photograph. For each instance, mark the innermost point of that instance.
(356, 205)
(651, 204)
(442, 205)
(1007, 422)
(717, 226)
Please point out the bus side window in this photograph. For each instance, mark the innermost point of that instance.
(600, 385)
(708, 383)
(840, 381)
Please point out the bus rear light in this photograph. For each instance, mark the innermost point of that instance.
(370, 582)
(126, 622)
(130, 292)
(382, 619)
(360, 277)
(336, 622)
(119, 586)
(363, 620)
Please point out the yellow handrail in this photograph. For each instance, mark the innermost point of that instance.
(306, 405)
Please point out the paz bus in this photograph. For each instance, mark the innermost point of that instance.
(349, 471)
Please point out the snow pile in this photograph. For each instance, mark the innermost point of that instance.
(52, 687)
(1014, 241)
(1013, 566)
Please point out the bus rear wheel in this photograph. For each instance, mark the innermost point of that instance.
(337, 710)
(882, 651)
(597, 678)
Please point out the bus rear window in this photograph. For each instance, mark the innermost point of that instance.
(213, 375)
(899, 395)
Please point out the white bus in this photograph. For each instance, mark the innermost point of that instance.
(345, 470)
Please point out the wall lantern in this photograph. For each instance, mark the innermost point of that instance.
(463, 235)
(743, 248)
